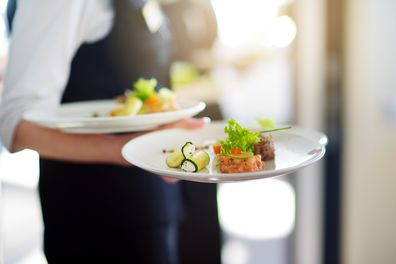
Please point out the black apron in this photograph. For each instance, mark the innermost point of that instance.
(105, 213)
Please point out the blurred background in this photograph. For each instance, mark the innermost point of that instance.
(327, 65)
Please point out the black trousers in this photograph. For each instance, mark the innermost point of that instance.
(97, 213)
(143, 244)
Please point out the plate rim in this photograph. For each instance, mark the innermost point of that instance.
(106, 130)
(196, 106)
(193, 107)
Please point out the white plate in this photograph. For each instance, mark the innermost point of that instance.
(78, 117)
(294, 149)
(105, 130)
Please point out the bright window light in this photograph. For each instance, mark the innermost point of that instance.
(252, 22)
(234, 252)
(283, 31)
(3, 5)
(242, 21)
(260, 209)
(21, 168)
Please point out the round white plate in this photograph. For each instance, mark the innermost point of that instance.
(78, 117)
(294, 149)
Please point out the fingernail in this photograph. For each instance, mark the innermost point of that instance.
(206, 120)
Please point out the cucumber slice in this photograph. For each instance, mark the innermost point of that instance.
(198, 161)
(175, 159)
(188, 149)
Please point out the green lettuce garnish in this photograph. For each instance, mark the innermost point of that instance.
(144, 88)
(238, 138)
(266, 123)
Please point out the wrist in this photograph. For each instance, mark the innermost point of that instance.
(116, 144)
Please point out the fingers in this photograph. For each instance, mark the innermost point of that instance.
(188, 123)
(170, 180)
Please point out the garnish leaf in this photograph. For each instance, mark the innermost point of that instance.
(238, 138)
(144, 88)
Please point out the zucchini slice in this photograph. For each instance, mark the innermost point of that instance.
(188, 149)
(175, 159)
(198, 161)
(133, 105)
(189, 166)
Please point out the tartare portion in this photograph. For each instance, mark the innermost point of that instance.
(228, 164)
(244, 150)
(235, 153)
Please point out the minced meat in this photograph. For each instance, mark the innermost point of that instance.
(265, 148)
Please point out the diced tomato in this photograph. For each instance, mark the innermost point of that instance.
(235, 151)
(217, 148)
(113, 112)
(152, 100)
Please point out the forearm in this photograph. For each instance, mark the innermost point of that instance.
(51, 143)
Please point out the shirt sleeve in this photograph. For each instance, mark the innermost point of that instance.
(45, 37)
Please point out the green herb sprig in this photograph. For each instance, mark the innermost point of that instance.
(275, 129)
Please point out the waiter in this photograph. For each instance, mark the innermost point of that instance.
(96, 208)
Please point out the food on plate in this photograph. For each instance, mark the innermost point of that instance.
(144, 99)
(188, 149)
(244, 150)
(229, 164)
(188, 158)
(196, 162)
(131, 106)
(235, 153)
(265, 148)
(175, 159)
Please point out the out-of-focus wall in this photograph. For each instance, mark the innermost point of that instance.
(310, 54)
(369, 217)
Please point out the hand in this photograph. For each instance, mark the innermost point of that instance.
(188, 123)
(169, 179)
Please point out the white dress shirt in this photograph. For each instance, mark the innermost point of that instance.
(46, 35)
